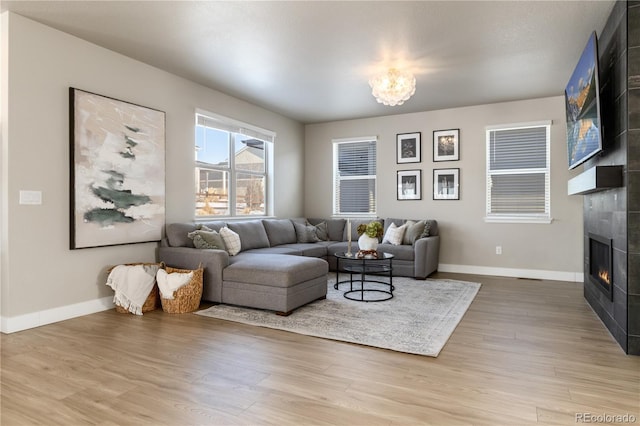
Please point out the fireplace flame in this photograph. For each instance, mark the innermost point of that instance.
(604, 276)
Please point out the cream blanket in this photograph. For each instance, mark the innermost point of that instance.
(168, 283)
(132, 285)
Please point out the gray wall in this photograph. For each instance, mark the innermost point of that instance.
(468, 243)
(41, 279)
(615, 214)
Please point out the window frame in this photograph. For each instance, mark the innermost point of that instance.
(542, 218)
(235, 128)
(336, 143)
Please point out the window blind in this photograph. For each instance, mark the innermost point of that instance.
(355, 177)
(518, 183)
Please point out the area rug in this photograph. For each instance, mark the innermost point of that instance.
(419, 319)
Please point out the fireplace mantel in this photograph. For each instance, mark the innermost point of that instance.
(598, 178)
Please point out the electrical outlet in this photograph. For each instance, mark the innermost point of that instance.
(498, 249)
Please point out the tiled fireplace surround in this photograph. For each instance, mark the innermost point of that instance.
(615, 213)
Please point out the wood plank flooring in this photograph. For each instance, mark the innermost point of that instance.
(526, 352)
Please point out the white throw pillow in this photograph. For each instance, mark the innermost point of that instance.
(394, 234)
(231, 241)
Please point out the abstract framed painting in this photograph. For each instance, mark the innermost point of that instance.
(117, 171)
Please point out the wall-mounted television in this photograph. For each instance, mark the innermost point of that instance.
(582, 101)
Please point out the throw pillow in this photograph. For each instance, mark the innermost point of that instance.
(413, 232)
(321, 231)
(427, 230)
(306, 233)
(206, 239)
(394, 234)
(231, 241)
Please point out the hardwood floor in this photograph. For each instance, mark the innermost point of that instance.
(526, 352)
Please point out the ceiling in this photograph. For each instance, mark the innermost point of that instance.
(311, 60)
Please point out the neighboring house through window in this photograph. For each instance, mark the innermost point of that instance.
(354, 176)
(232, 172)
(518, 173)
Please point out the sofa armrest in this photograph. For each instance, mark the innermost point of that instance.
(427, 256)
(213, 261)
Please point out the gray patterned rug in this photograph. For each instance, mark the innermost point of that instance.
(418, 320)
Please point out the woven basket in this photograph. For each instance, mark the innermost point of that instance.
(153, 299)
(186, 298)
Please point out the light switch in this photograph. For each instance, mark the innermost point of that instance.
(31, 197)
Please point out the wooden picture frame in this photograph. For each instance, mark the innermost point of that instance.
(446, 184)
(408, 148)
(446, 145)
(117, 171)
(409, 184)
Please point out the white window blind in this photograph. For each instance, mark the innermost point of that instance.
(354, 172)
(518, 181)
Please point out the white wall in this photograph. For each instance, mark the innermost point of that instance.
(42, 280)
(468, 243)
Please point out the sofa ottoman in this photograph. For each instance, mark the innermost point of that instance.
(275, 282)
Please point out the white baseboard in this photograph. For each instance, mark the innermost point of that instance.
(536, 274)
(49, 316)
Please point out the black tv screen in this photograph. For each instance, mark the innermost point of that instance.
(582, 101)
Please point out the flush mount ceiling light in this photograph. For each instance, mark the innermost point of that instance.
(393, 87)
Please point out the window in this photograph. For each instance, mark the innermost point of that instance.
(232, 170)
(354, 176)
(518, 181)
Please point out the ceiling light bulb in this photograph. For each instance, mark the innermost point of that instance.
(393, 87)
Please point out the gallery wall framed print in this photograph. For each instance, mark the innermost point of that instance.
(409, 184)
(446, 145)
(408, 148)
(446, 184)
(117, 171)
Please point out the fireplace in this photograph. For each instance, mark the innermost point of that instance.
(600, 270)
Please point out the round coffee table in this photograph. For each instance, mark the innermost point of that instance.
(369, 269)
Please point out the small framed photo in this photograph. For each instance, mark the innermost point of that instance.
(409, 184)
(446, 184)
(446, 145)
(408, 148)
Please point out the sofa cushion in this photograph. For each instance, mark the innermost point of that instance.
(215, 225)
(318, 249)
(276, 270)
(177, 234)
(252, 234)
(335, 227)
(279, 231)
(401, 252)
(305, 233)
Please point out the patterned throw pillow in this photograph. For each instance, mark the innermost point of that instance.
(427, 230)
(207, 239)
(322, 231)
(394, 234)
(306, 233)
(231, 241)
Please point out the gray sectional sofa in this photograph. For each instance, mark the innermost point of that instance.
(275, 271)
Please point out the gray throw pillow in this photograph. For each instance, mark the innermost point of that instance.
(306, 233)
(413, 232)
(204, 239)
(427, 230)
(321, 231)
